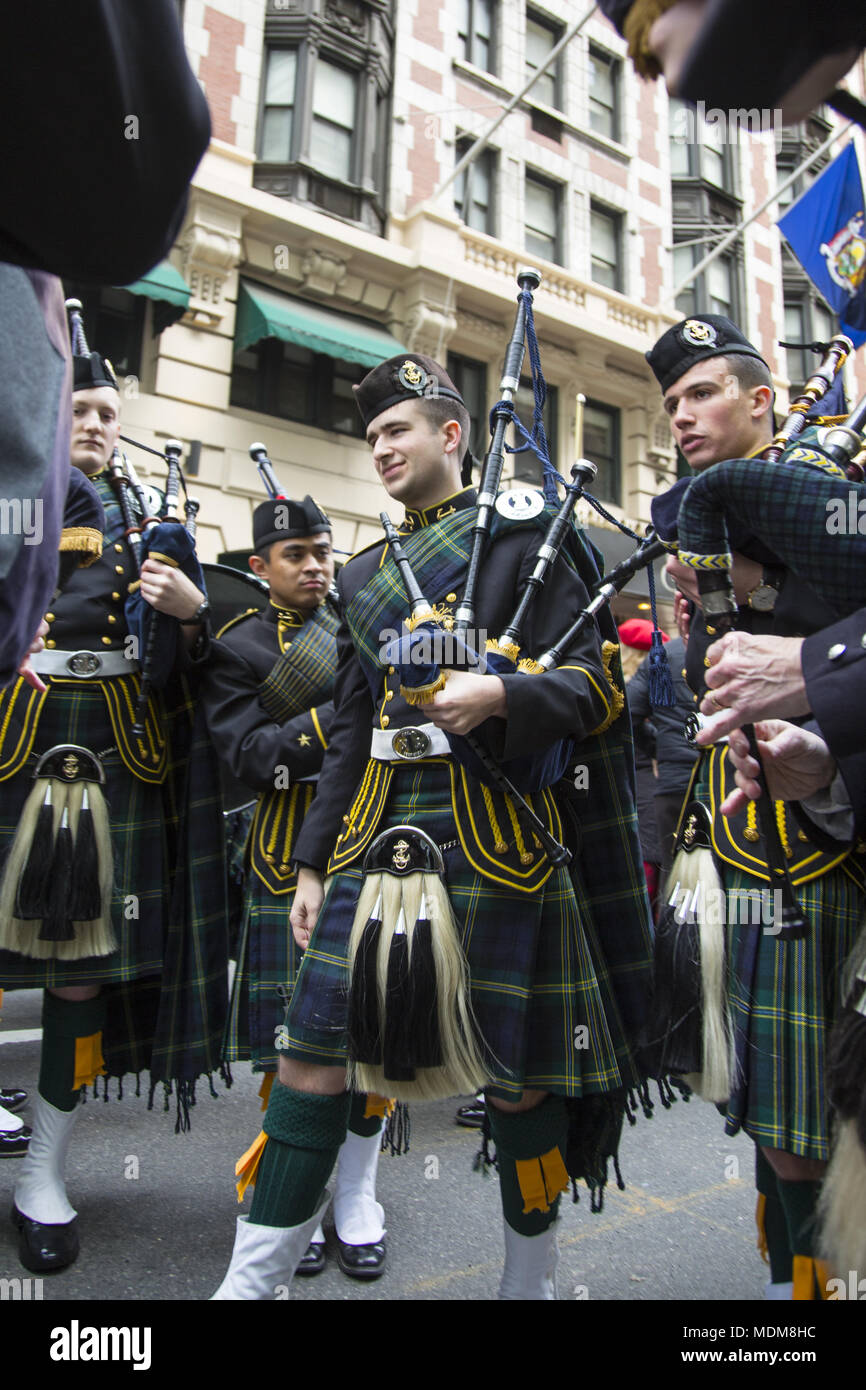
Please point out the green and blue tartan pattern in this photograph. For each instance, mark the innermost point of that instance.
(784, 997)
(540, 984)
(166, 983)
(786, 504)
(304, 675)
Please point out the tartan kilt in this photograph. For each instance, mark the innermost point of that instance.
(79, 715)
(784, 997)
(540, 990)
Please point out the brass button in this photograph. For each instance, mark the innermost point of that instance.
(116, 597)
(706, 661)
(106, 641)
(863, 640)
(450, 598)
(838, 649)
(118, 569)
(49, 617)
(389, 694)
(50, 642)
(695, 698)
(711, 630)
(392, 670)
(118, 547)
(385, 721)
(112, 618)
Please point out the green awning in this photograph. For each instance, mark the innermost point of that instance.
(168, 290)
(266, 314)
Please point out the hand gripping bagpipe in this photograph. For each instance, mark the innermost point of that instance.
(171, 541)
(789, 510)
(421, 675)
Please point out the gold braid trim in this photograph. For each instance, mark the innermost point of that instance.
(639, 20)
(617, 698)
(509, 650)
(526, 856)
(783, 829)
(87, 540)
(499, 844)
(424, 694)
(530, 667)
(706, 562)
(438, 614)
(751, 832)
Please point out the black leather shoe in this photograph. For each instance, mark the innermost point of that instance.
(313, 1261)
(471, 1116)
(362, 1261)
(13, 1143)
(12, 1099)
(44, 1249)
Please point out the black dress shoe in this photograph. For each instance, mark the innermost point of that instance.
(362, 1261)
(471, 1116)
(13, 1143)
(12, 1099)
(313, 1261)
(44, 1249)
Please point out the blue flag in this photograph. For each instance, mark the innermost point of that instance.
(825, 230)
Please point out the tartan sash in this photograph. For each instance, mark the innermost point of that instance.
(303, 676)
(438, 555)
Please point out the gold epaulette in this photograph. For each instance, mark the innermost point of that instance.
(238, 619)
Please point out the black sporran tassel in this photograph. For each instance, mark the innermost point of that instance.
(396, 1044)
(57, 923)
(424, 998)
(365, 1038)
(674, 1025)
(85, 899)
(32, 897)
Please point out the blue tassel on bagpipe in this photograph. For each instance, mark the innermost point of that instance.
(172, 539)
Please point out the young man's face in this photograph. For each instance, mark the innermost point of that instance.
(299, 571)
(418, 462)
(713, 417)
(95, 428)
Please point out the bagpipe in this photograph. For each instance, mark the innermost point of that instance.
(414, 655)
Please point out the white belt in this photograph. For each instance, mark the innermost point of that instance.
(82, 665)
(409, 743)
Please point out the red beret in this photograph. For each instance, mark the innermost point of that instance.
(638, 632)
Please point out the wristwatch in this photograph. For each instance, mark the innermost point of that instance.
(204, 607)
(763, 597)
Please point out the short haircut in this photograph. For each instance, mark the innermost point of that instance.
(437, 410)
(749, 372)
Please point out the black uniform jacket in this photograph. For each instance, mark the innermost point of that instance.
(834, 666)
(572, 700)
(246, 738)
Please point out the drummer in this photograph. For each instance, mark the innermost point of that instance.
(268, 704)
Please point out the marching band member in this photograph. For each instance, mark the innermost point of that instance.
(97, 900)
(267, 697)
(556, 978)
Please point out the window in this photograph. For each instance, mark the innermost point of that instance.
(470, 378)
(601, 445)
(699, 149)
(114, 323)
(475, 32)
(541, 218)
(606, 244)
(293, 383)
(335, 96)
(277, 122)
(604, 93)
(476, 185)
(807, 320)
(323, 127)
(527, 466)
(541, 38)
(715, 291)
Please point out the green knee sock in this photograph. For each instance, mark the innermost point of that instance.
(304, 1137)
(360, 1123)
(530, 1145)
(775, 1224)
(71, 1047)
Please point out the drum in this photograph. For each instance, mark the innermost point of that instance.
(231, 592)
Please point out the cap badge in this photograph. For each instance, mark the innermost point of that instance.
(412, 377)
(698, 333)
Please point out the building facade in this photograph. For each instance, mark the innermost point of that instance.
(320, 238)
